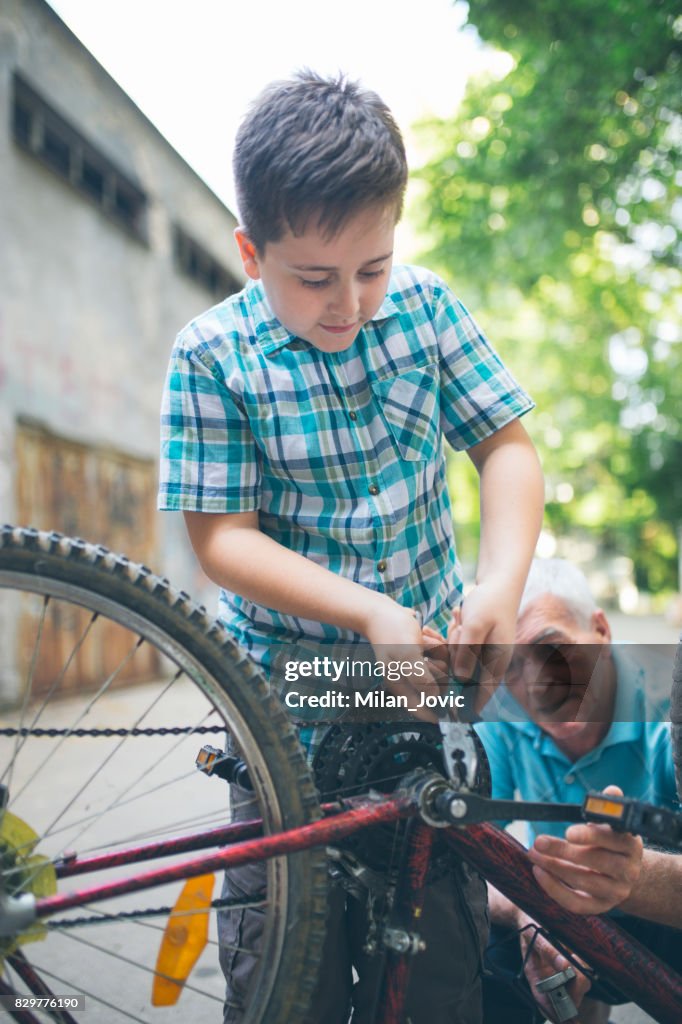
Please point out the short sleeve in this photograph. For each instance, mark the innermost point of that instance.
(478, 394)
(662, 765)
(208, 455)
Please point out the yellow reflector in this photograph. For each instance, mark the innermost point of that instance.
(183, 941)
(32, 872)
(601, 805)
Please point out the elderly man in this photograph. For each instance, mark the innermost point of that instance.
(578, 714)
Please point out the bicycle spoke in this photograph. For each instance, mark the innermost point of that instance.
(203, 821)
(139, 796)
(100, 693)
(139, 966)
(122, 917)
(23, 1016)
(118, 801)
(28, 690)
(106, 760)
(74, 987)
(160, 929)
(131, 800)
(109, 644)
(37, 985)
(56, 682)
(59, 678)
(93, 818)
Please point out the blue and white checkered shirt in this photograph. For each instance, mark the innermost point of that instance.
(340, 453)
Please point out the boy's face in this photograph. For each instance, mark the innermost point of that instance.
(322, 289)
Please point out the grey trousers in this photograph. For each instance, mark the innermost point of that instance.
(445, 980)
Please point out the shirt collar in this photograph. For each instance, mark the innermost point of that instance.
(271, 333)
(629, 710)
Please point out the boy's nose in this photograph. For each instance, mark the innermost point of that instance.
(345, 302)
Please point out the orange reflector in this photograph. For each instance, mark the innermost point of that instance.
(183, 941)
(206, 757)
(602, 805)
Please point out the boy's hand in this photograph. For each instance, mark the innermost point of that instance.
(481, 638)
(396, 636)
(438, 656)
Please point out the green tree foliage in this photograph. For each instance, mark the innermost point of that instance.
(551, 201)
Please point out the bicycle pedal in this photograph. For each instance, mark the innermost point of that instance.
(554, 988)
(213, 761)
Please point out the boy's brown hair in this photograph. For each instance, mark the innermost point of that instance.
(315, 147)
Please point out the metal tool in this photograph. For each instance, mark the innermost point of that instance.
(554, 988)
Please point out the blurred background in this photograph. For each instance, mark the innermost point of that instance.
(544, 141)
(552, 200)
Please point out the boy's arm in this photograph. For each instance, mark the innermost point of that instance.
(236, 555)
(512, 501)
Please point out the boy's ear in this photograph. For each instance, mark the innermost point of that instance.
(247, 251)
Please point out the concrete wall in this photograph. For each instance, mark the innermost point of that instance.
(88, 313)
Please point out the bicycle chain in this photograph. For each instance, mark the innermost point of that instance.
(77, 922)
(176, 730)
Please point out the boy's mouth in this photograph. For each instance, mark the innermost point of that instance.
(342, 329)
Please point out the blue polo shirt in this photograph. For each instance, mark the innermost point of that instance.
(635, 754)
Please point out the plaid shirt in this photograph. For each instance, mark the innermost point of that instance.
(341, 453)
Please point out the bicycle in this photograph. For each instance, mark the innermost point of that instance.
(119, 617)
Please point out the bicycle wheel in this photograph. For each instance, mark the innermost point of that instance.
(83, 625)
(676, 717)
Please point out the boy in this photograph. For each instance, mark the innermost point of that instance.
(302, 438)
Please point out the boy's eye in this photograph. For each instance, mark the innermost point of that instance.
(315, 284)
(327, 280)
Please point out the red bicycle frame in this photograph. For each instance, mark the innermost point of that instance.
(639, 975)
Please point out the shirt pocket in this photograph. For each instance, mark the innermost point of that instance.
(410, 407)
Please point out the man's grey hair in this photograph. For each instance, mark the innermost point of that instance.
(564, 581)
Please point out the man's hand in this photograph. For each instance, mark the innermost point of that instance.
(590, 871)
(541, 960)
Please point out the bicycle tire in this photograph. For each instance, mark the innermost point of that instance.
(72, 574)
(676, 718)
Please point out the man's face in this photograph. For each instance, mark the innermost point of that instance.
(561, 672)
(324, 289)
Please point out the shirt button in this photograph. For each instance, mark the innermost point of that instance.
(381, 566)
(352, 415)
(373, 489)
(570, 779)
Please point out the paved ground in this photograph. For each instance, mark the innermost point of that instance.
(630, 1015)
